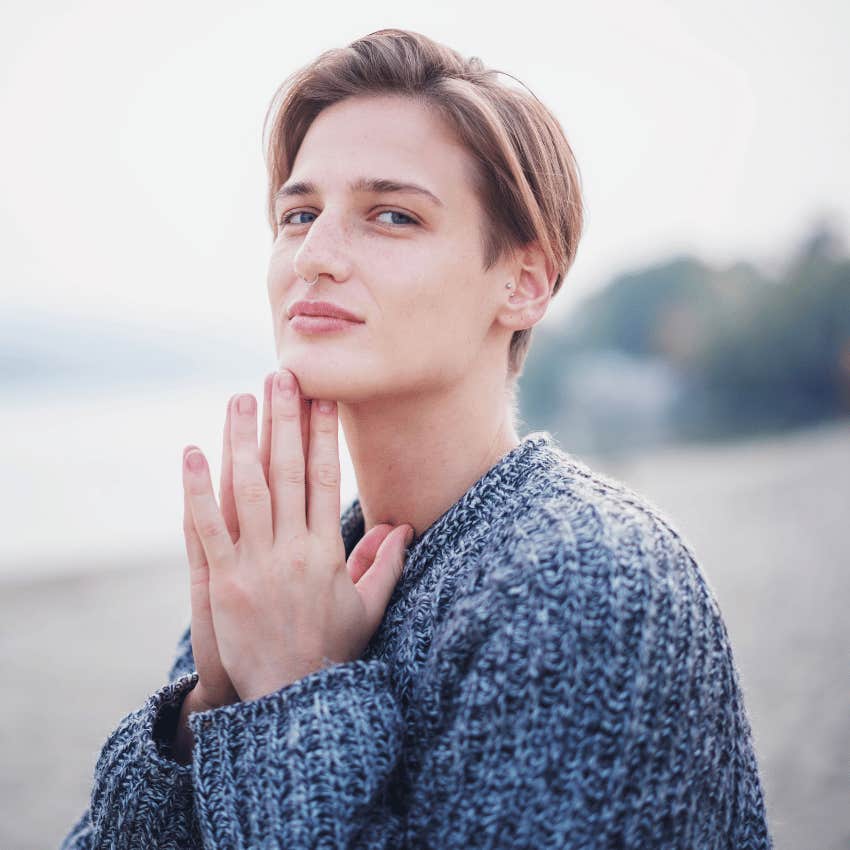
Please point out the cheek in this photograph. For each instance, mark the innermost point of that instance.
(278, 277)
(428, 312)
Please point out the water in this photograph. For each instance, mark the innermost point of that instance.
(92, 477)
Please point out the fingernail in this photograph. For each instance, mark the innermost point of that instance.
(326, 406)
(408, 538)
(245, 404)
(195, 460)
(286, 384)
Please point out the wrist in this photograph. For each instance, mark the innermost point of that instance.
(184, 740)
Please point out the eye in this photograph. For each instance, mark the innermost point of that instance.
(409, 221)
(287, 217)
(290, 218)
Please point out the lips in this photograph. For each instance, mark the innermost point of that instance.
(321, 308)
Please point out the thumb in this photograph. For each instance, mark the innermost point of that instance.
(377, 584)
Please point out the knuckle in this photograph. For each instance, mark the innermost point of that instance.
(237, 591)
(291, 473)
(286, 413)
(295, 552)
(199, 575)
(211, 528)
(323, 426)
(253, 492)
(298, 562)
(328, 475)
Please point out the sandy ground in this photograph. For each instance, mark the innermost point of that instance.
(768, 520)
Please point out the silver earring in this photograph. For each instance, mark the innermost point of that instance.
(509, 285)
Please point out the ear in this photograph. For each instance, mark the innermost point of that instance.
(533, 279)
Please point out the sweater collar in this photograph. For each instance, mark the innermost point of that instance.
(486, 498)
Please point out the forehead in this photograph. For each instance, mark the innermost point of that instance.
(384, 136)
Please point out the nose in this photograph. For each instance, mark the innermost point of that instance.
(324, 250)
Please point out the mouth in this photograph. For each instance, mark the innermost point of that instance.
(306, 324)
(324, 309)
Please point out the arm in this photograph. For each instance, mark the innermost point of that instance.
(302, 767)
(140, 797)
(305, 766)
(602, 709)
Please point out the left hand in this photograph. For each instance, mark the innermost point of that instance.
(284, 601)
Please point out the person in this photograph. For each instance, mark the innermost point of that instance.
(543, 663)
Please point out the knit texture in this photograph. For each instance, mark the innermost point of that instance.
(552, 670)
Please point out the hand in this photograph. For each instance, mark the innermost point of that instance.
(282, 601)
(214, 687)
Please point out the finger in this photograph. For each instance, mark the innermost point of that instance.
(363, 554)
(208, 521)
(203, 633)
(265, 445)
(306, 406)
(323, 473)
(225, 493)
(253, 501)
(377, 585)
(266, 439)
(194, 549)
(266, 430)
(287, 466)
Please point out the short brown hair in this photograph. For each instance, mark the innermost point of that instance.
(526, 177)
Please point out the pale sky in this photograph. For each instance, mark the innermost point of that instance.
(132, 181)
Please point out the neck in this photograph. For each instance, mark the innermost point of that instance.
(415, 456)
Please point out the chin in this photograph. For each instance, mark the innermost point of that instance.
(321, 380)
(348, 374)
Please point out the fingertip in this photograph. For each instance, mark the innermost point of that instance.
(408, 534)
(194, 461)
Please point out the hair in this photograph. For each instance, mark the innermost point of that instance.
(525, 175)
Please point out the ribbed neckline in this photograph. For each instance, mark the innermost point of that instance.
(487, 496)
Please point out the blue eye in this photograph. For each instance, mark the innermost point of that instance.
(287, 219)
(396, 212)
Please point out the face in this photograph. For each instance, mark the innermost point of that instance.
(408, 264)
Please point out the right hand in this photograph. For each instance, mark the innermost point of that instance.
(214, 688)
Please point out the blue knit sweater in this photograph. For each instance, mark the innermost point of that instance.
(552, 670)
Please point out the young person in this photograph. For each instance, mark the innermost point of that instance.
(542, 663)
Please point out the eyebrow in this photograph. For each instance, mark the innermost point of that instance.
(374, 185)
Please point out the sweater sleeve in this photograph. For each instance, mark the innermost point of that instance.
(140, 796)
(304, 766)
(601, 708)
(307, 766)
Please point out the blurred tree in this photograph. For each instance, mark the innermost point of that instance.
(717, 351)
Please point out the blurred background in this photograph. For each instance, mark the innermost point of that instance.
(699, 350)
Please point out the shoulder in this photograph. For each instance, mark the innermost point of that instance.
(576, 537)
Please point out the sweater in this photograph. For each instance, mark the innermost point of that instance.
(552, 670)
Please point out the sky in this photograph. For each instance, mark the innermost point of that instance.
(133, 180)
